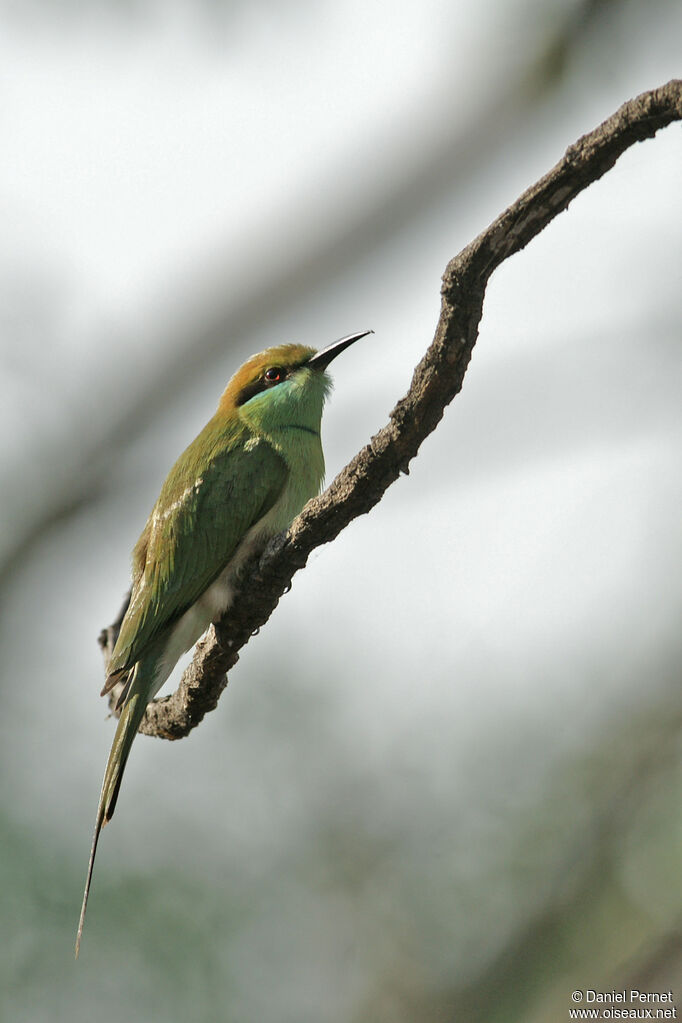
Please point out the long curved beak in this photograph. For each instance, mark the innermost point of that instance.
(321, 359)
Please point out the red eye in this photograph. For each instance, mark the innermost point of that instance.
(274, 374)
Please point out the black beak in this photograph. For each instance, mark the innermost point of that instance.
(321, 359)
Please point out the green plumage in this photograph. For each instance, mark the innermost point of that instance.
(214, 493)
(243, 479)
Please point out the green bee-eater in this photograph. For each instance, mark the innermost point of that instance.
(241, 481)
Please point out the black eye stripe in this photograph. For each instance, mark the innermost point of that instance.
(265, 382)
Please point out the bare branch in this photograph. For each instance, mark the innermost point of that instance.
(436, 381)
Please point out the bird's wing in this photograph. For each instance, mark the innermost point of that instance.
(206, 506)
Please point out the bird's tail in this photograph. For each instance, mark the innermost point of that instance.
(128, 723)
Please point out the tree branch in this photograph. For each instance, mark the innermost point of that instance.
(436, 381)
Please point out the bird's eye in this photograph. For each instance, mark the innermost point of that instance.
(274, 374)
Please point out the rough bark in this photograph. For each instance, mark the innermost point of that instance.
(436, 381)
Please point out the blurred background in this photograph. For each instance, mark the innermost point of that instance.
(444, 782)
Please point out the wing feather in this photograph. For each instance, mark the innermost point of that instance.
(206, 506)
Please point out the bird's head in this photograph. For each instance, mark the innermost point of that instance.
(284, 386)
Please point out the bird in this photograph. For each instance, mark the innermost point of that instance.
(242, 480)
